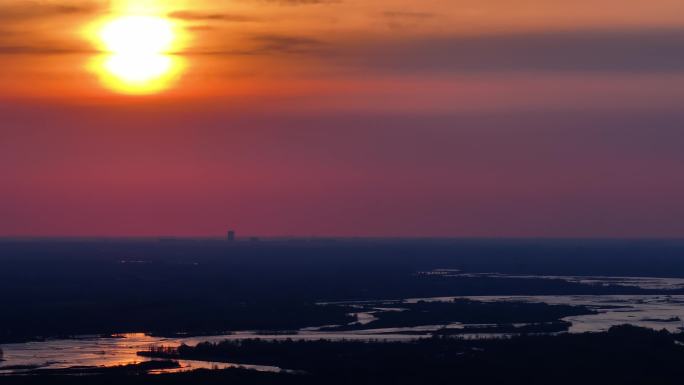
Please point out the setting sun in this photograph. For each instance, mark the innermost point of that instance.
(138, 35)
(138, 59)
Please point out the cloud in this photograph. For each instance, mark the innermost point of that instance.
(13, 42)
(302, 2)
(35, 27)
(402, 20)
(268, 44)
(199, 16)
(201, 28)
(43, 49)
(289, 44)
(408, 15)
(617, 50)
(27, 10)
(633, 50)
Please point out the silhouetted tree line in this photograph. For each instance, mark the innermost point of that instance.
(624, 354)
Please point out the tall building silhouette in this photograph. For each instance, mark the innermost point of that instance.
(231, 236)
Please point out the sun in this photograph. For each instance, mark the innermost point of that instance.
(138, 35)
(138, 54)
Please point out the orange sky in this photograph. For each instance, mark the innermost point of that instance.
(248, 47)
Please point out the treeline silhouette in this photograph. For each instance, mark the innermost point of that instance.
(624, 354)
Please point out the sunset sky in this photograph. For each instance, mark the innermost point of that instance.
(493, 118)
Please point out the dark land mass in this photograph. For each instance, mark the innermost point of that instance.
(73, 287)
(469, 312)
(624, 355)
(531, 328)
